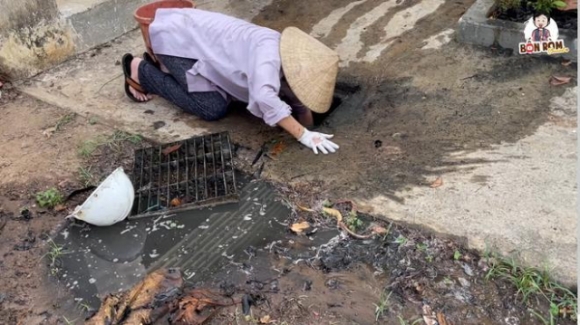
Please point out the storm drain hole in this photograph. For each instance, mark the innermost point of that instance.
(319, 118)
(341, 93)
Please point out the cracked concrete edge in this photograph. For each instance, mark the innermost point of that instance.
(172, 131)
(102, 23)
(476, 28)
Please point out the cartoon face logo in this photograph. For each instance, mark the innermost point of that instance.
(541, 21)
(540, 28)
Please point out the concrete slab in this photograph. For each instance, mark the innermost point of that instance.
(476, 28)
(523, 204)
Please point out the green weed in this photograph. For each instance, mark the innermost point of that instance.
(120, 136)
(115, 142)
(66, 119)
(422, 247)
(505, 5)
(532, 282)
(382, 306)
(69, 322)
(546, 6)
(49, 198)
(86, 176)
(353, 222)
(55, 252)
(88, 147)
(402, 321)
(457, 255)
(401, 240)
(93, 120)
(84, 307)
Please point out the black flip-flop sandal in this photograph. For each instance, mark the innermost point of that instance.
(129, 82)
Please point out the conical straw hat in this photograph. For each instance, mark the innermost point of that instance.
(310, 68)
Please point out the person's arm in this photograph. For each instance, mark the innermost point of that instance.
(305, 118)
(264, 88)
(302, 113)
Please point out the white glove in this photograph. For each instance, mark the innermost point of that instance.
(318, 141)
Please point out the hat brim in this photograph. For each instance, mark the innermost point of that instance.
(310, 68)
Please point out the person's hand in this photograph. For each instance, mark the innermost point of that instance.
(318, 141)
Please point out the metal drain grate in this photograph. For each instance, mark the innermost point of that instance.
(184, 174)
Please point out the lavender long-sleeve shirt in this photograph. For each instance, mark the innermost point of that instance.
(233, 55)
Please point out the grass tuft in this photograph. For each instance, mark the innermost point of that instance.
(402, 321)
(382, 306)
(532, 282)
(86, 176)
(55, 252)
(66, 119)
(114, 141)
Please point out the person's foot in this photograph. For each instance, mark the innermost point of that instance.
(135, 76)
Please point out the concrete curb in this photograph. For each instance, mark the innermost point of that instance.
(103, 22)
(476, 28)
(65, 30)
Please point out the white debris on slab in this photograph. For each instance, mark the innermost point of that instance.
(324, 27)
(437, 41)
(402, 22)
(352, 44)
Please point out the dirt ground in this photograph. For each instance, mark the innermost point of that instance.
(42, 150)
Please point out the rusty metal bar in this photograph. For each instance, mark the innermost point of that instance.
(206, 192)
(187, 193)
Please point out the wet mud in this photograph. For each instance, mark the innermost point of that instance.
(324, 277)
(102, 260)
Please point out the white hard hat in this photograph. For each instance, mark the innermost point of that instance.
(110, 203)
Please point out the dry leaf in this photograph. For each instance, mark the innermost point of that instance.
(300, 227)
(437, 183)
(305, 209)
(333, 213)
(559, 80)
(441, 319)
(49, 132)
(566, 62)
(428, 315)
(198, 305)
(265, 320)
(171, 149)
(59, 207)
(277, 149)
(175, 202)
(137, 305)
(378, 230)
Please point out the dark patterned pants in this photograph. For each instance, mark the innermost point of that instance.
(172, 86)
